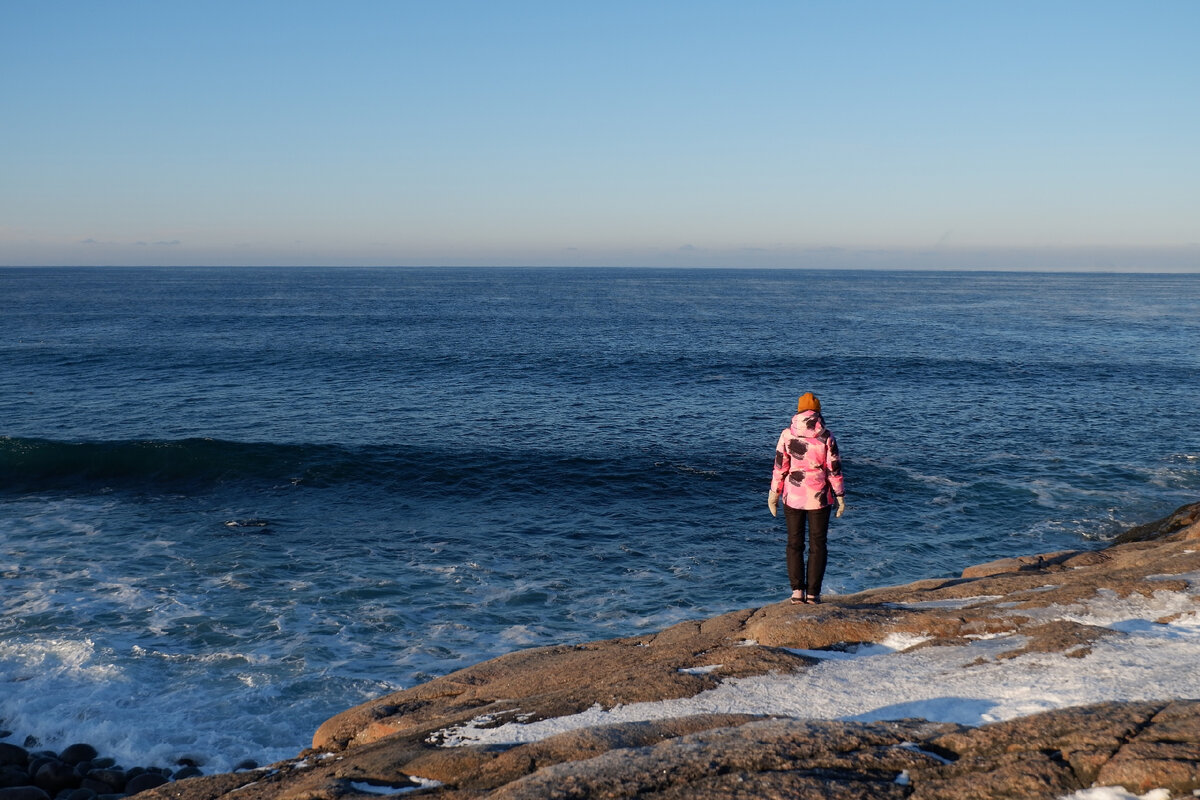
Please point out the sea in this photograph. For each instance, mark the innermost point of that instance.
(237, 501)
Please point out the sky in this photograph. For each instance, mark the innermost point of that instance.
(979, 135)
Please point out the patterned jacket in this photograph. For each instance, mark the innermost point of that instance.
(808, 470)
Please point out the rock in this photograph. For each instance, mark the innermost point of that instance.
(187, 772)
(54, 776)
(1041, 757)
(81, 794)
(11, 754)
(144, 781)
(765, 758)
(23, 793)
(105, 780)
(76, 753)
(36, 762)
(1018, 564)
(475, 768)
(1072, 639)
(12, 775)
(1164, 754)
(1177, 520)
(247, 764)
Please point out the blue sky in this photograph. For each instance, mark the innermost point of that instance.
(1000, 135)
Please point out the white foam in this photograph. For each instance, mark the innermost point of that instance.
(69, 657)
(73, 690)
(522, 635)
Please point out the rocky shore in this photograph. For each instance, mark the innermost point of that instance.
(78, 772)
(735, 706)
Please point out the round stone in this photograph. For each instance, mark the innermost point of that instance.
(75, 753)
(147, 780)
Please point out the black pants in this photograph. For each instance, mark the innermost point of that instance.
(818, 527)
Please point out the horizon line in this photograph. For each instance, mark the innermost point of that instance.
(647, 267)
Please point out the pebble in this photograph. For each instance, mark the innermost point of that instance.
(77, 773)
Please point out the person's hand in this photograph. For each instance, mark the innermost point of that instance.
(773, 502)
(841, 509)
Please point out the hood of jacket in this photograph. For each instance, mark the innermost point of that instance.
(808, 424)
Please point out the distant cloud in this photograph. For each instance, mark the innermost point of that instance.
(688, 248)
(88, 241)
(171, 243)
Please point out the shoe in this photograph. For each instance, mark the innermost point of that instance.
(799, 597)
(813, 600)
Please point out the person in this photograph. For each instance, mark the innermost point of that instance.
(808, 477)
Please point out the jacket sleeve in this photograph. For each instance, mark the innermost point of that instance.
(834, 468)
(783, 464)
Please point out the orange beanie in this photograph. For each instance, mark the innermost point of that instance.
(808, 402)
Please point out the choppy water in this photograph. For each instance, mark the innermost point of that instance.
(234, 502)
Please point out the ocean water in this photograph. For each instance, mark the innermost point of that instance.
(234, 502)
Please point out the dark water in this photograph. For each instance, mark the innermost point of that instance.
(236, 501)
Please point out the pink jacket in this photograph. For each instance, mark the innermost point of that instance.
(808, 471)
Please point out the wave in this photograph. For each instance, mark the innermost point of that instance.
(43, 463)
(185, 465)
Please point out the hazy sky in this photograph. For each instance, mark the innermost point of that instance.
(1006, 134)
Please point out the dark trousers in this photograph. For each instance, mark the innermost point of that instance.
(818, 527)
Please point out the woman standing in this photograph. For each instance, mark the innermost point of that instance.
(808, 475)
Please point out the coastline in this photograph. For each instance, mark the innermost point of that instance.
(556, 722)
(929, 689)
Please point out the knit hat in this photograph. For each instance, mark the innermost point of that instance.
(808, 402)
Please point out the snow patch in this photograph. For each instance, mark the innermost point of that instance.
(1116, 793)
(914, 747)
(893, 643)
(965, 684)
(364, 787)
(953, 602)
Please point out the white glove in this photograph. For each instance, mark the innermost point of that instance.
(773, 502)
(841, 505)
